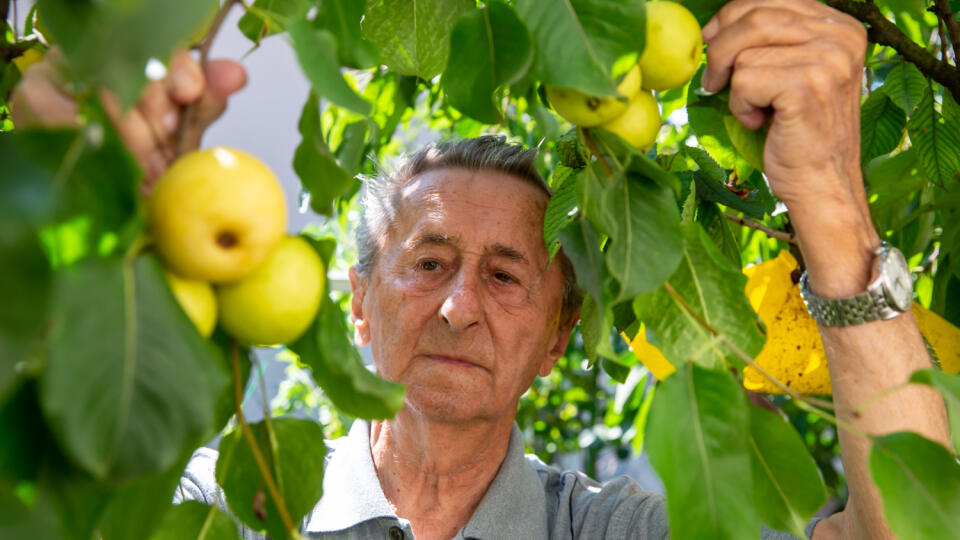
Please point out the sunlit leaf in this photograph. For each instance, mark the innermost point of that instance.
(295, 457)
(787, 485)
(578, 42)
(413, 36)
(905, 85)
(317, 53)
(936, 139)
(193, 520)
(919, 483)
(129, 401)
(708, 284)
(489, 47)
(881, 126)
(696, 437)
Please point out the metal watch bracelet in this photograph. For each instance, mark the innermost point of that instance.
(870, 306)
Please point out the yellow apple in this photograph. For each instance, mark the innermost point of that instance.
(640, 123)
(216, 214)
(278, 301)
(197, 300)
(673, 47)
(583, 110)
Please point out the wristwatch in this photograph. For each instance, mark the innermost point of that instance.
(887, 296)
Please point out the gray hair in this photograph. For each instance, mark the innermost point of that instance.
(380, 196)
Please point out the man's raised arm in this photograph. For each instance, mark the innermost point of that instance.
(797, 64)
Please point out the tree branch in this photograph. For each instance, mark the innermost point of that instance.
(772, 233)
(945, 14)
(188, 111)
(884, 32)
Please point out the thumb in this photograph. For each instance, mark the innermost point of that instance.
(224, 77)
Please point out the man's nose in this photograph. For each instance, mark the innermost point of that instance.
(461, 308)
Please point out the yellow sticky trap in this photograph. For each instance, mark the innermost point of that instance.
(794, 352)
(649, 354)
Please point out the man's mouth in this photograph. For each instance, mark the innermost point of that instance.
(452, 360)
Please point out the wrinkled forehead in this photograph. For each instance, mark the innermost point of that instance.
(489, 203)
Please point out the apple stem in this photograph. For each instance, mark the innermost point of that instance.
(252, 441)
(189, 110)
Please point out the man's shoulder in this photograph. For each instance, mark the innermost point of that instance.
(616, 508)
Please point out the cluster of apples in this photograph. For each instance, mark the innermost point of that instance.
(218, 219)
(670, 59)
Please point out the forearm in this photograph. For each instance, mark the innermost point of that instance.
(865, 361)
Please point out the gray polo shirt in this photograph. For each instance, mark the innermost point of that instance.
(527, 500)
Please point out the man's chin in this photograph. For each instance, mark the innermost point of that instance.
(445, 405)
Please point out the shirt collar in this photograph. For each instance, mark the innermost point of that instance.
(513, 503)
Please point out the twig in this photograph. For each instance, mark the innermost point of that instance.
(884, 32)
(188, 112)
(953, 27)
(595, 151)
(943, 39)
(772, 233)
(252, 441)
(743, 356)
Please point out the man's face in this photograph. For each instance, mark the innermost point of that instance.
(461, 305)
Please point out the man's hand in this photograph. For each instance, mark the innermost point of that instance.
(150, 128)
(797, 64)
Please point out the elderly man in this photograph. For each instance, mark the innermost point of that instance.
(454, 293)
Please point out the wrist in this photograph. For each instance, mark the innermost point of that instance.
(838, 244)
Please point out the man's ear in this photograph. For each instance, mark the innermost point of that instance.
(361, 326)
(560, 341)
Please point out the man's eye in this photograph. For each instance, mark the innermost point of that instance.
(504, 278)
(429, 266)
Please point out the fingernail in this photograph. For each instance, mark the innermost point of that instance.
(705, 78)
(710, 30)
(170, 121)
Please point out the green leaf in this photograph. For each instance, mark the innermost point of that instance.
(711, 185)
(109, 43)
(881, 126)
(139, 507)
(707, 124)
(269, 17)
(596, 322)
(582, 246)
(413, 36)
(129, 383)
(905, 85)
(295, 457)
(318, 170)
(336, 364)
(317, 53)
(489, 47)
(192, 519)
(562, 204)
(714, 288)
(578, 42)
(937, 141)
(949, 386)
(696, 438)
(717, 228)
(748, 142)
(642, 220)
(919, 483)
(342, 18)
(787, 485)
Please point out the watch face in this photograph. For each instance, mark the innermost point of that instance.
(897, 282)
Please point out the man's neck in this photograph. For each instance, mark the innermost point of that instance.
(434, 474)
